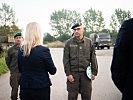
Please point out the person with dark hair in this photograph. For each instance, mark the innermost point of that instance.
(12, 63)
(79, 53)
(121, 66)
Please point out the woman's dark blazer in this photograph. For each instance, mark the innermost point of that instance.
(36, 67)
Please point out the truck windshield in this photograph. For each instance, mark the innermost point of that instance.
(104, 36)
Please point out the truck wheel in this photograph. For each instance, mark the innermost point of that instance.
(102, 47)
(97, 47)
(108, 47)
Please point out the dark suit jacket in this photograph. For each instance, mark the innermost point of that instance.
(122, 62)
(35, 68)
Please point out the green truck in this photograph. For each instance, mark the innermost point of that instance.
(101, 40)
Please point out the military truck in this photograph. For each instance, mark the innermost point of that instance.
(101, 40)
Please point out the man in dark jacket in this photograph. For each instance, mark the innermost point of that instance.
(78, 54)
(12, 63)
(121, 67)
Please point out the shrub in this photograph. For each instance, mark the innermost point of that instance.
(3, 54)
(56, 44)
(3, 66)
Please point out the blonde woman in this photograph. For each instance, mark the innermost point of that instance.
(35, 64)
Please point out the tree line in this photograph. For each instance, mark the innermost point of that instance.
(62, 20)
(92, 19)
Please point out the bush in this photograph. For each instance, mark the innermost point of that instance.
(3, 66)
(3, 54)
(63, 37)
(56, 44)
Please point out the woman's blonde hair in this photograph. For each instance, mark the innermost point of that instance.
(33, 37)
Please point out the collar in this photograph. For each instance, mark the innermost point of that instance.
(17, 46)
(79, 40)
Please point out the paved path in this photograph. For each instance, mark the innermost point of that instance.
(103, 87)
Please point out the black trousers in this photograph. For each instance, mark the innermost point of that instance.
(35, 94)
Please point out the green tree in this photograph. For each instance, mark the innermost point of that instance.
(49, 38)
(7, 20)
(114, 24)
(93, 21)
(105, 31)
(122, 15)
(62, 20)
(117, 19)
(63, 37)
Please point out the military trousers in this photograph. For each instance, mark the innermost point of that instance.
(82, 84)
(14, 78)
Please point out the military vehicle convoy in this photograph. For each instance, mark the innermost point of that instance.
(101, 40)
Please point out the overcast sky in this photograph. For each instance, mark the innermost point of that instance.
(40, 10)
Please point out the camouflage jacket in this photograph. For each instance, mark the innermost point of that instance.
(12, 59)
(78, 54)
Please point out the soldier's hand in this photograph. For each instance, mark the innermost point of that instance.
(93, 77)
(70, 78)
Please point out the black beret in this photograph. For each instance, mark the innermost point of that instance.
(76, 25)
(17, 34)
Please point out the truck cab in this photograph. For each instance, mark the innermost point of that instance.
(101, 40)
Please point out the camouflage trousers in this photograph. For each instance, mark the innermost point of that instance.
(14, 78)
(81, 85)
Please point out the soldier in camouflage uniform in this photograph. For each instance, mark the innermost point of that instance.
(12, 63)
(78, 54)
